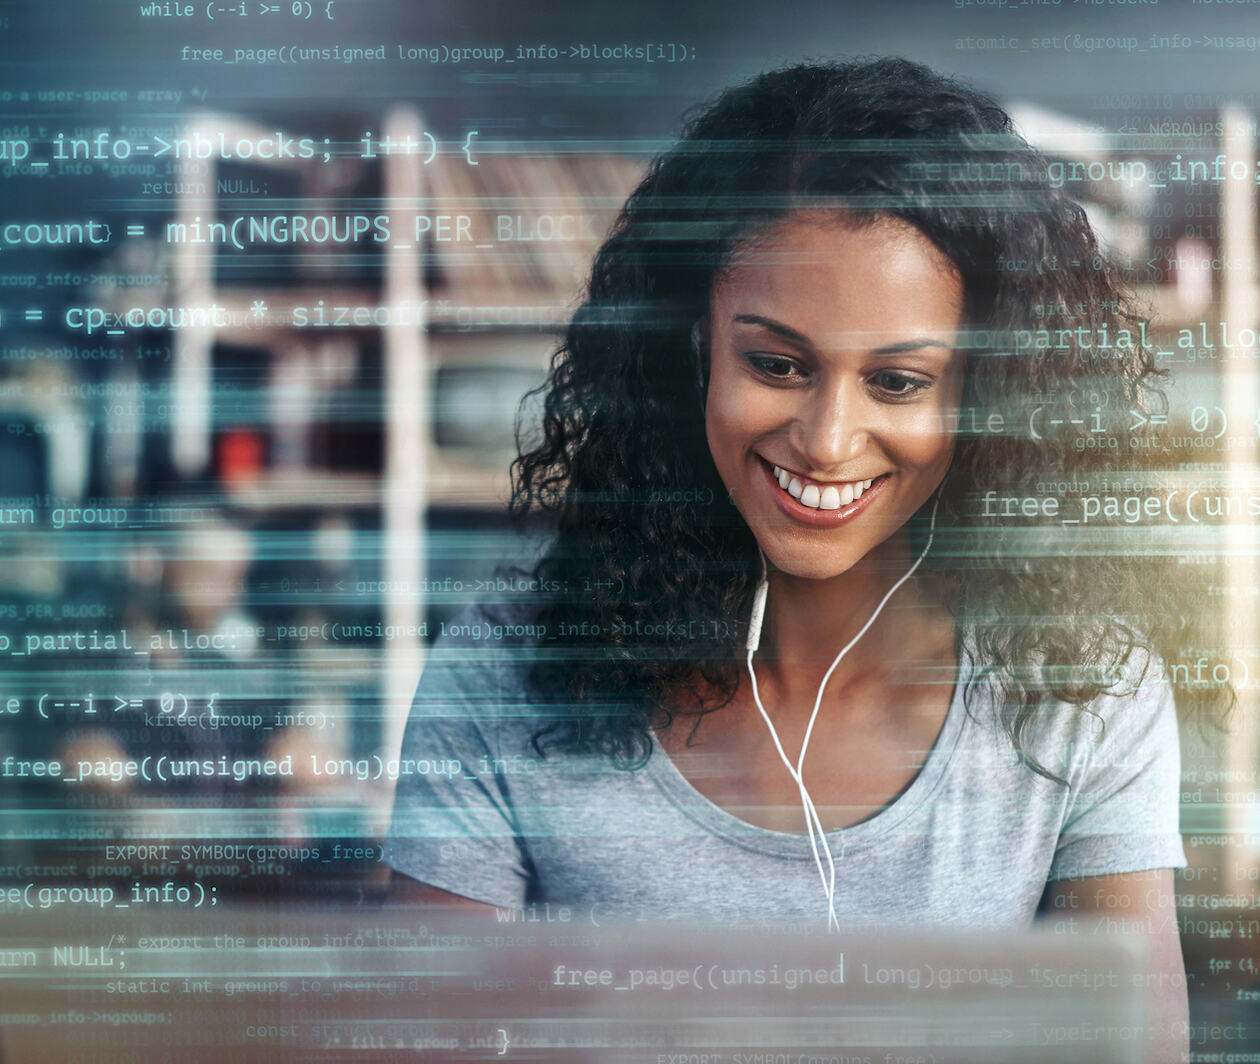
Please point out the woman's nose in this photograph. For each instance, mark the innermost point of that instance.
(831, 429)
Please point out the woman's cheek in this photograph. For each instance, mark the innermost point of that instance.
(926, 432)
(731, 411)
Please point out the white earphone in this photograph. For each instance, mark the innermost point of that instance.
(812, 821)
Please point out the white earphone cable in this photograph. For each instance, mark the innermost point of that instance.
(812, 821)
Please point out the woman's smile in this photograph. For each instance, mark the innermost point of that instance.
(820, 504)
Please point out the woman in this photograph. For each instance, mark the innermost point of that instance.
(797, 442)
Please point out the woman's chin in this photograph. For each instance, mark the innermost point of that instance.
(806, 565)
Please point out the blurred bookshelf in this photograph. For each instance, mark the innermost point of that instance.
(381, 382)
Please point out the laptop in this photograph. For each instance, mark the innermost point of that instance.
(272, 983)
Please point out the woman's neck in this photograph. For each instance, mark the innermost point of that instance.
(808, 622)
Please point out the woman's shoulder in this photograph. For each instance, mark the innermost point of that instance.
(1135, 675)
(1129, 720)
(485, 644)
(1139, 705)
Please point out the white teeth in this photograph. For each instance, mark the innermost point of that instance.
(826, 498)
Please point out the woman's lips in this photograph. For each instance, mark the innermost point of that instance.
(808, 515)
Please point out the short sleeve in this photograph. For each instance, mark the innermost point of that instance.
(1124, 809)
(453, 826)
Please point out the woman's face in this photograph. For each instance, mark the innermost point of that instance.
(832, 356)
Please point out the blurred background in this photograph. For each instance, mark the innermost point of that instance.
(274, 279)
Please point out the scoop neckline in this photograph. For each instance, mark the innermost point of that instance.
(704, 811)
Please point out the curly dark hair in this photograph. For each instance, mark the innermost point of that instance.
(655, 566)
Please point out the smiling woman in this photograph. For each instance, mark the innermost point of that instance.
(833, 364)
(816, 563)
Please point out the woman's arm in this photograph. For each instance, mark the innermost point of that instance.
(1140, 903)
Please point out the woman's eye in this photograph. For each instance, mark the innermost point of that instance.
(898, 384)
(773, 365)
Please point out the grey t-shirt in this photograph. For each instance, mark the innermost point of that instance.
(973, 840)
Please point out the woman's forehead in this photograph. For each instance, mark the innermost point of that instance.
(822, 280)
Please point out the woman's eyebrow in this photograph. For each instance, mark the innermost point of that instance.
(773, 326)
(911, 345)
(800, 338)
